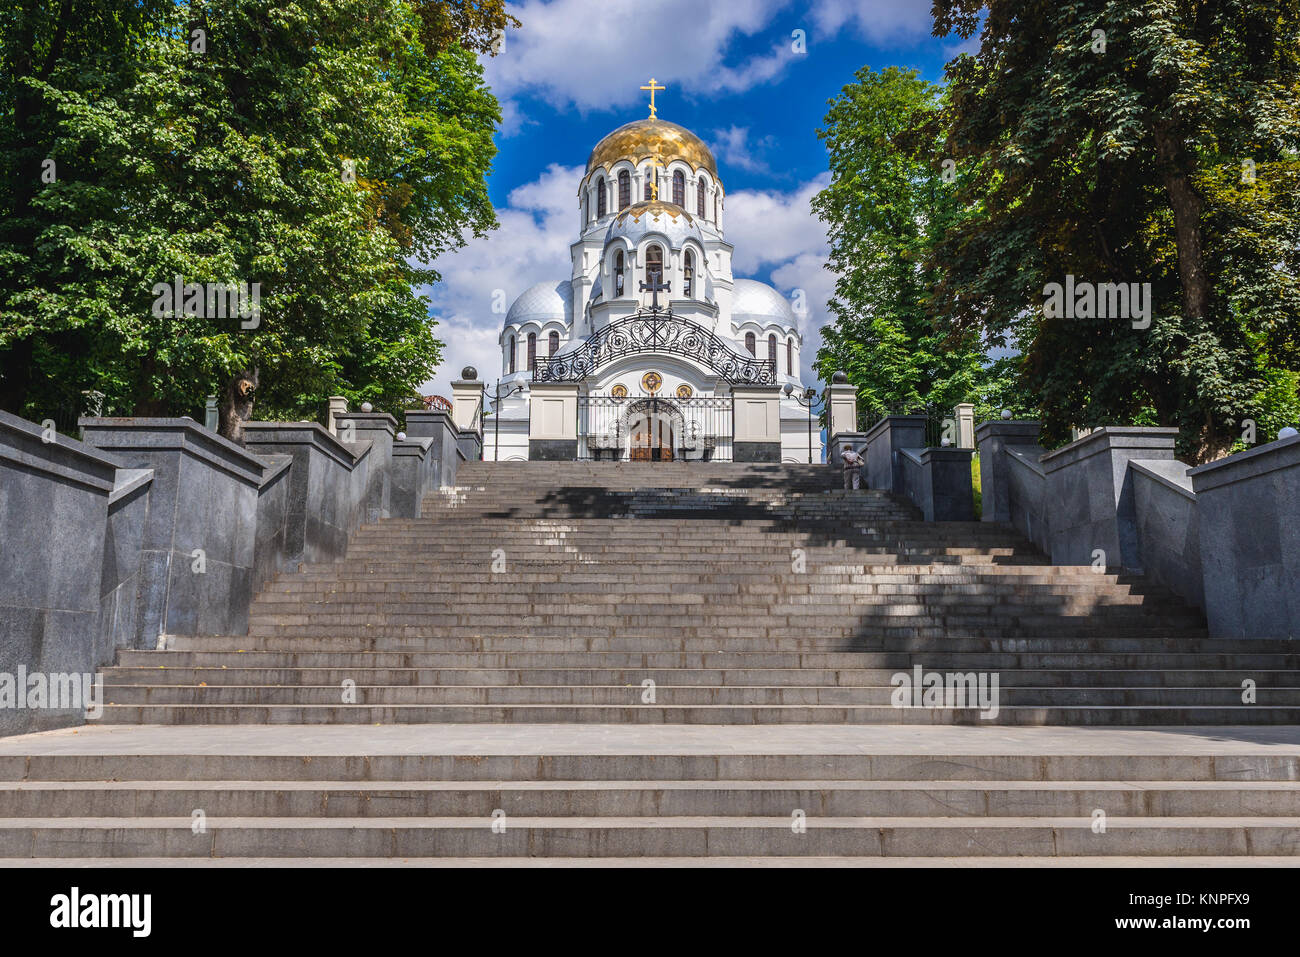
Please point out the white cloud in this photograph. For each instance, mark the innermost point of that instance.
(734, 148)
(595, 55)
(530, 246)
(770, 228)
(878, 21)
(777, 233)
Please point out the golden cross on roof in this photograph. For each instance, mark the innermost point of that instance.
(652, 89)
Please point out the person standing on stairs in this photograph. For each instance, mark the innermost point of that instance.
(851, 462)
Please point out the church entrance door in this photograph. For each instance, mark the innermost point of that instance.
(652, 440)
(652, 433)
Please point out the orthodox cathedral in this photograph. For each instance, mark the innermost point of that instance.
(651, 325)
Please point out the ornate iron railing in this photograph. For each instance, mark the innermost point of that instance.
(655, 428)
(650, 332)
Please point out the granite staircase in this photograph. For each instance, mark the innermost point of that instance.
(631, 661)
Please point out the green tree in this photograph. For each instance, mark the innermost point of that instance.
(1134, 141)
(886, 206)
(314, 149)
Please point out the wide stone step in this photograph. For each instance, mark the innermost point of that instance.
(645, 798)
(680, 677)
(528, 836)
(523, 658)
(366, 694)
(699, 714)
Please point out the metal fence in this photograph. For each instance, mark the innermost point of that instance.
(654, 428)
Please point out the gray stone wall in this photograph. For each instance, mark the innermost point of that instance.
(62, 564)
(1222, 536)
(1027, 494)
(1249, 508)
(935, 480)
(1168, 528)
(327, 485)
(991, 439)
(1092, 497)
(450, 446)
(197, 540)
(157, 527)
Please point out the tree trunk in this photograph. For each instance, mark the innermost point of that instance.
(1185, 202)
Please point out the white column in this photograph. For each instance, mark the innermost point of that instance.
(844, 408)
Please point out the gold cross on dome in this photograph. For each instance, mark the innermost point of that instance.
(652, 89)
(655, 167)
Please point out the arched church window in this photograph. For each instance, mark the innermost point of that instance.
(789, 357)
(624, 189)
(654, 264)
(751, 344)
(602, 206)
(618, 273)
(771, 350)
(512, 355)
(679, 189)
(532, 350)
(688, 275)
(553, 343)
(699, 198)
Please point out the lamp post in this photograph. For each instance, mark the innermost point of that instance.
(808, 399)
(497, 396)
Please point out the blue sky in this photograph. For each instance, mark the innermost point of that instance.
(572, 72)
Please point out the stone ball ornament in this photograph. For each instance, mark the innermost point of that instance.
(840, 378)
(469, 373)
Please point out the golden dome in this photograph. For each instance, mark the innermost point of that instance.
(645, 139)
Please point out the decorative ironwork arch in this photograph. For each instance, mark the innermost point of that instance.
(660, 333)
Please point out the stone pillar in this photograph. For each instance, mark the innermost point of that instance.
(965, 415)
(338, 406)
(843, 402)
(757, 415)
(211, 418)
(947, 494)
(1091, 494)
(377, 428)
(467, 401)
(444, 455)
(1248, 506)
(993, 438)
(553, 422)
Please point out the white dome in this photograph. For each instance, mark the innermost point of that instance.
(751, 299)
(655, 216)
(541, 303)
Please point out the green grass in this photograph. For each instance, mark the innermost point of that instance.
(975, 484)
